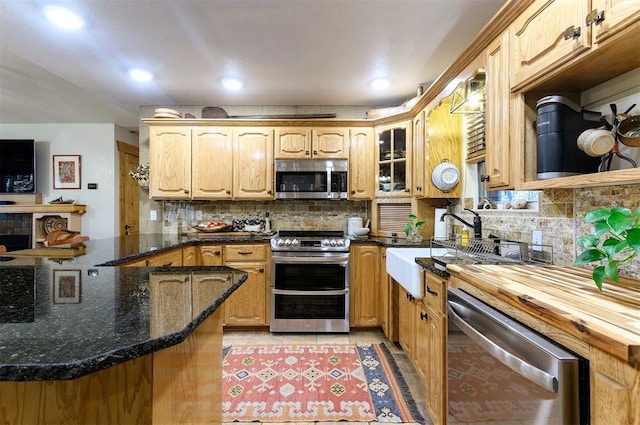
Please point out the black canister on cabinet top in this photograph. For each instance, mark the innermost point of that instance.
(559, 123)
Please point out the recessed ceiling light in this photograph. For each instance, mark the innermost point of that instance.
(140, 75)
(380, 84)
(63, 17)
(232, 84)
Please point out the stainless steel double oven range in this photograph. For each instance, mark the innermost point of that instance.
(309, 281)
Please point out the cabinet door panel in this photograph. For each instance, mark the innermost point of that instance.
(618, 14)
(330, 143)
(537, 38)
(498, 157)
(293, 143)
(363, 286)
(212, 155)
(247, 305)
(419, 180)
(170, 159)
(253, 163)
(437, 370)
(361, 160)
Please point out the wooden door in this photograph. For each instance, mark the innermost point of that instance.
(406, 321)
(443, 136)
(170, 162)
(210, 255)
(497, 132)
(361, 160)
(170, 299)
(419, 181)
(537, 39)
(330, 143)
(253, 163)
(212, 163)
(422, 354)
(293, 143)
(437, 369)
(129, 198)
(247, 305)
(363, 288)
(617, 15)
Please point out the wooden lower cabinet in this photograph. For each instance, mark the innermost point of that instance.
(190, 256)
(615, 390)
(436, 370)
(428, 354)
(363, 286)
(171, 258)
(247, 306)
(406, 322)
(211, 255)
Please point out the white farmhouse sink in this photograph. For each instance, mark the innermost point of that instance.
(402, 266)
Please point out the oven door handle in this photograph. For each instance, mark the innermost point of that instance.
(513, 362)
(342, 260)
(285, 292)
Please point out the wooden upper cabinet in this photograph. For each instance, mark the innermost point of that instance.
(548, 34)
(312, 143)
(443, 138)
(330, 143)
(607, 17)
(393, 159)
(499, 154)
(293, 143)
(419, 173)
(361, 160)
(253, 163)
(212, 170)
(170, 159)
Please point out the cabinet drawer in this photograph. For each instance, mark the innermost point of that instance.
(435, 292)
(245, 252)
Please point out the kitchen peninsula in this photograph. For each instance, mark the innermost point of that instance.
(81, 343)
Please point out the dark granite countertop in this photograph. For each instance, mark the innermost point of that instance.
(65, 316)
(62, 318)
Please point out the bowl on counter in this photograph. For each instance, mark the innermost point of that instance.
(360, 231)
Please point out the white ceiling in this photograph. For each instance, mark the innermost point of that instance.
(288, 52)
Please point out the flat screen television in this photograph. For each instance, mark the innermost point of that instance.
(17, 166)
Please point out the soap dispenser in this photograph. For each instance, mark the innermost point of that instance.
(464, 237)
(267, 223)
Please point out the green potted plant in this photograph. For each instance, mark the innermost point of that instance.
(411, 229)
(615, 241)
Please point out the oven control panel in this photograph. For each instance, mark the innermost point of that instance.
(304, 244)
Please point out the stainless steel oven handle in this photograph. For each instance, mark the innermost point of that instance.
(515, 363)
(285, 292)
(342, 260)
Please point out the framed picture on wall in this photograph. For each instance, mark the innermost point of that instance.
(66, 286)
(66, 171)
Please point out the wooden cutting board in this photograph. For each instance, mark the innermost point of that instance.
(567, 298)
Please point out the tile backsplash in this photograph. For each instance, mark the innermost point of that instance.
(560, 218)
(285, 215)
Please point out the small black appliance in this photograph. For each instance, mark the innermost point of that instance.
(559, 123)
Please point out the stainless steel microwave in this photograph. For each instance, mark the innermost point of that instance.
(311, 179)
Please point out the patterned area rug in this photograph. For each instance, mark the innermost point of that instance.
(317, 382)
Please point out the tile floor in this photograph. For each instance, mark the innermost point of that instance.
(376, 336)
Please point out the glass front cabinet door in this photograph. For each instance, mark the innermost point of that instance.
(394, 160)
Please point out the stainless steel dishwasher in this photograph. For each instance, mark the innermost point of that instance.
(500, 370)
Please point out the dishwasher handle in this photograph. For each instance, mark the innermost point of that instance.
(513, 362)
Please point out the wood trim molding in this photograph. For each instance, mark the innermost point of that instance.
(127, 148)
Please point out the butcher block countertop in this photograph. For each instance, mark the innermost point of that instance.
(567, 298)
